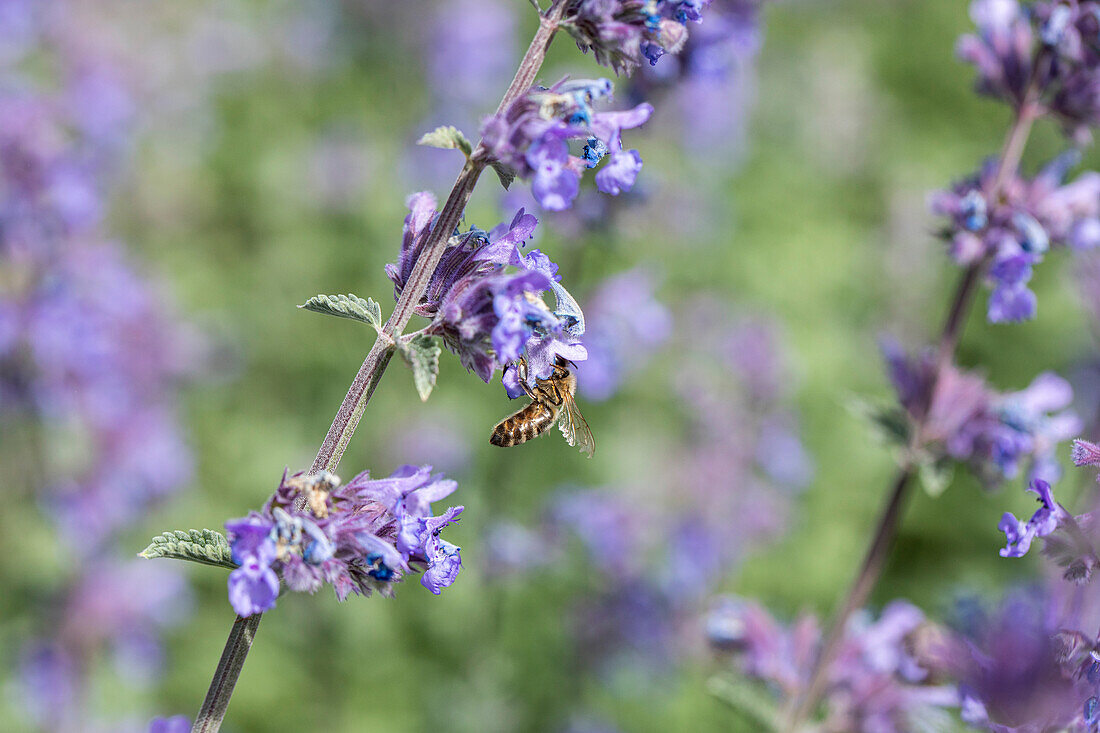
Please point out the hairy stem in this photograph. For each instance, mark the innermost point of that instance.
(236, 649)
(886, 530)
(370, 373)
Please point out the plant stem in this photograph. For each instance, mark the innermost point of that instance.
(889, 521)
(225, 676)
(359, 394)
(370, 373)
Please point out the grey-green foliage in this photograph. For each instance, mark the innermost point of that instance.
(205, 546)
(346, 306)
(447, 137)
(421, 353)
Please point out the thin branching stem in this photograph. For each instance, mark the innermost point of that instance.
(370, 373)
(886, 530)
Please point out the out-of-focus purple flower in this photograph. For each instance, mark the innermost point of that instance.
(707, 86)
(993, 433)
(175, 724)
(1015, 231)
(624, 326)
(49, 685)
(621, 33)
(360, 537)
(531, 138)
(874, 684)
(1049, 45)
(485, 297)
(1015, 671)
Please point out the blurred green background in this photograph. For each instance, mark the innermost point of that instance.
(819, 222)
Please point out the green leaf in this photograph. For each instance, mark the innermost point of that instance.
(750, 700)
(504, 173)
(346, 306)
(935, 475)
(422, 355)
(890, 423)
(205, 546)
(447, 136)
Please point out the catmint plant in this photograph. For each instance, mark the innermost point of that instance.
(1043, 60)
(486, 297)
(91, 361)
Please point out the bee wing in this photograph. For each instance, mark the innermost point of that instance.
(575, 428)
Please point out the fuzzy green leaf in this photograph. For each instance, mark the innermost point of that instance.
(935, 475)
(504, 173)
(890, 423)
(205, 546)
(448, 137)
(749, 700)
(346, 306)
(422, 355)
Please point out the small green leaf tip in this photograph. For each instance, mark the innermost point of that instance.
(347, 306)
(935, 475)
(447, 136)
(889, 423)
(205, 546)
(421, 353)
(504, 173)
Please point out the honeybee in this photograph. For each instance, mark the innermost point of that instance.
(551, 402)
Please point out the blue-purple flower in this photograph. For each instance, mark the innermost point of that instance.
(175, 724)
(875, 682)
(485, 298)
(625, 325)
(1018, 669)
(1019, 534)
(359, 537)
(622, 34)
(531, 138)
(992, 433)
(1051, 47)
(1013, 233)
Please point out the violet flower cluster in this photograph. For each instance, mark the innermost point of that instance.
(359, 537)
(708, 84)
(91, 356)
(1015, 230)
(485, 298)
(622, 33)
(876, 683)
(531, 139)
(1035, 663)
(625, 327)
(1049, 50)
(1022, 666)
(994, 434)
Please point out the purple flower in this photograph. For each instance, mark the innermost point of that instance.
(875, 683)
(254, 586)
(531, 137)
(555, 181)
(444, 562)
(992, 433)
(620, 172)
(1014, 232)
(1045, 521)
(175, 724)
(620, 33)
(1086, 454)
(625, 325)
(485, 298)
(1013, 670)
(359, 538)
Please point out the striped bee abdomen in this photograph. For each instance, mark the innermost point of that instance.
(529, 422)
